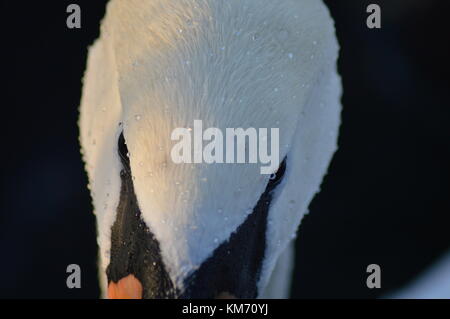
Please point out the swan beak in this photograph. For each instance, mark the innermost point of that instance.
(127, 288)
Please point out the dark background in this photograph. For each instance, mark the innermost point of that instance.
(385, 200)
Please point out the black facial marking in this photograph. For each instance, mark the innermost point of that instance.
(123, 153)
(234, 267)
(276, 178)
(134, 249)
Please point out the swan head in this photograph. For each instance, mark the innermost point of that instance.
(205, 230)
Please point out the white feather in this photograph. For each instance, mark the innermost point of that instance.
(161, 64)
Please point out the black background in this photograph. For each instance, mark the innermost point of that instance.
(385, 200)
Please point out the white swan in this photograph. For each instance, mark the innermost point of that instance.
(197, 230)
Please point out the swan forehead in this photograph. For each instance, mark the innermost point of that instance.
(231, 63)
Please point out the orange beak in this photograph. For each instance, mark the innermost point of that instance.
(128, 287)
(225, 295)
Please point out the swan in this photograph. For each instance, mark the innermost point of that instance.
(181, 230)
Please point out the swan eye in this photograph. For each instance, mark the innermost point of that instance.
(123, 152)
(276, 178)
